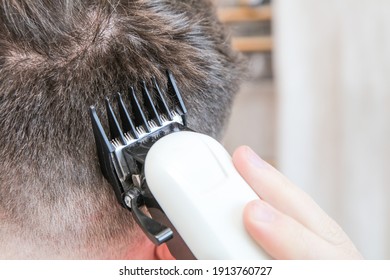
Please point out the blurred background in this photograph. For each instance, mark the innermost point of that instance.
(316, 104)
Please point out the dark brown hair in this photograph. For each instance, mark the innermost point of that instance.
(56, 59)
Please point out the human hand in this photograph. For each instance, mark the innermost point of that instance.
(286, 222)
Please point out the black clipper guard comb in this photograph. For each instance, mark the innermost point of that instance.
(184, 178)
(122, 155)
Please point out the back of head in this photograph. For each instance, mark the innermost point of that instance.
(56, 59)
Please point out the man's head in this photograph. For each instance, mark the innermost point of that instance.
(56, 59)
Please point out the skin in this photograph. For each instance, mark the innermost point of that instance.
(285, 221)
(148, 251)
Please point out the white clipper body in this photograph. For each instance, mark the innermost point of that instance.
(194, 181)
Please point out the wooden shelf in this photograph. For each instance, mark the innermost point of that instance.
(243, 14)
(252, 44)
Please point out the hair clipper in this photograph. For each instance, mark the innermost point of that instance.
(185, 179)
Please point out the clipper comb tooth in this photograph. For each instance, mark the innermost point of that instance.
(127, 123)
(105, 149)
(139, 116)
(115, 130)
(100, 135)
(153, 115)
(172, 88)
(161, 102)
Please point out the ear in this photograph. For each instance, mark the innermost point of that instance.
(162, 253)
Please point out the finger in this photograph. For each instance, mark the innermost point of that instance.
(275, 189)
(284, 238)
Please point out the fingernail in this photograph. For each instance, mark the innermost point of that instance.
(254, 159)
(261, 212)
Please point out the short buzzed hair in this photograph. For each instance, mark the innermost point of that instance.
(56, 59)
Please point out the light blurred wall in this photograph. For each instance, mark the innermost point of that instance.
(252, 120)
(332, 71)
